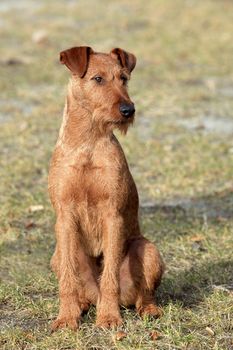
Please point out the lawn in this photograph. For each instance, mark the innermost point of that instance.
(180, 152)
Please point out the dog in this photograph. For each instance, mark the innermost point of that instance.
(101, 257)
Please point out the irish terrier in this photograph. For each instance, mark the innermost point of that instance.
(101, 256)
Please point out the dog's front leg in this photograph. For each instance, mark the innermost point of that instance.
(108, 311)
(70, 284)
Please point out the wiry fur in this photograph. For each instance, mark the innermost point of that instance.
(100, 257)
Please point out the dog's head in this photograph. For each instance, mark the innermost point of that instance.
(99, 83)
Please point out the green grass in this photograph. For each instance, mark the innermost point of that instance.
(180, 153)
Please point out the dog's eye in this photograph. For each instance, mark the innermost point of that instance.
(124, 79)
(98, 79)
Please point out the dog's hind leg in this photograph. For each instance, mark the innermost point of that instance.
(140, 274)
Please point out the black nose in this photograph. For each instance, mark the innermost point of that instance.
(127, 110)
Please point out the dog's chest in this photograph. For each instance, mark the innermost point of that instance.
(90, 229)
(100, 176)
(93, 184)
(102, 186)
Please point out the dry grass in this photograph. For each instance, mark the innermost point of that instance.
(180, 151)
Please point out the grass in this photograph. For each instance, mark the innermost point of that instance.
(180, 152)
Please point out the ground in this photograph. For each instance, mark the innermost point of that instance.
(180, 152)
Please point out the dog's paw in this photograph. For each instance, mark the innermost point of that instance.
(65, 322)
(108, 321)
(151, 310)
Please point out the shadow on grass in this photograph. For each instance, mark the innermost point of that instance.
(218, 205)
(178, 218)
(190, 287)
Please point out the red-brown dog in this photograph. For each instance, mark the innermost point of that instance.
(101, 257)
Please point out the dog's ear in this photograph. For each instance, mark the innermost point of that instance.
(126, 59)
(76, 59)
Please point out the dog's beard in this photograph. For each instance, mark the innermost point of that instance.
(123, 125)
(106, 125)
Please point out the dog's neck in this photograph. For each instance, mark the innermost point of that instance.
(77, 127)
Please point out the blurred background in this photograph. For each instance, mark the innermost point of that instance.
(180, 152)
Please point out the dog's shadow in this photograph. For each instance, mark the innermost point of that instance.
(190, 287)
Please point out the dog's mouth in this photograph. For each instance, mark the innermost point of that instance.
(124, 121)
(121, 122)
